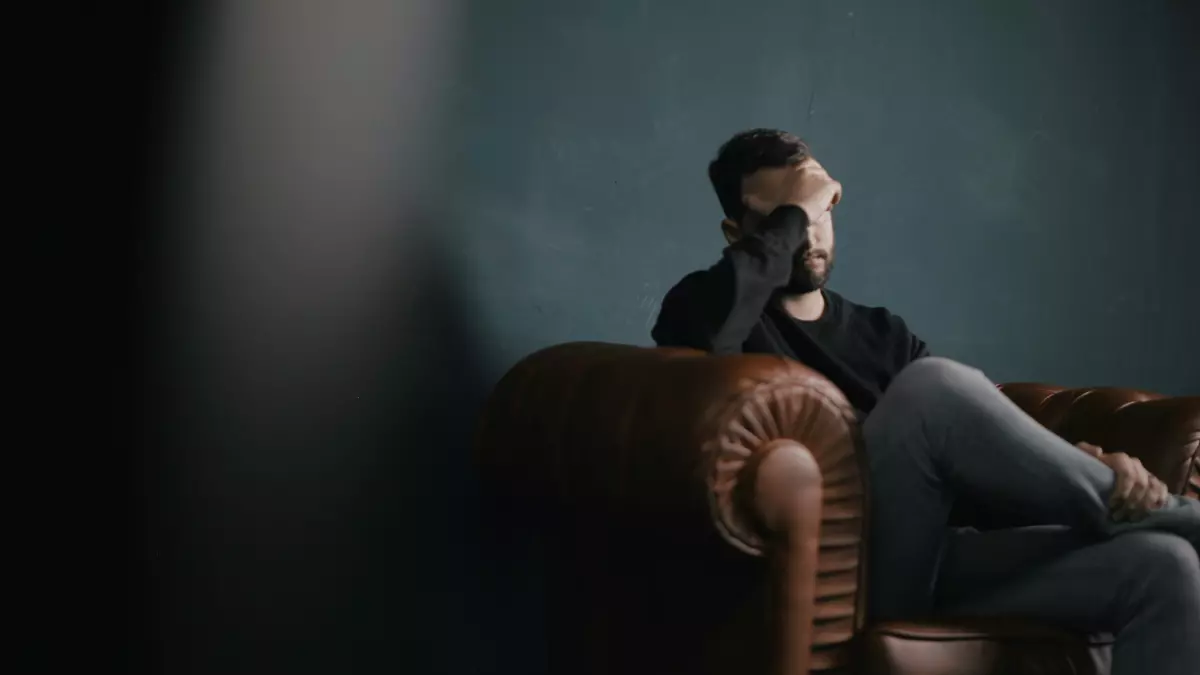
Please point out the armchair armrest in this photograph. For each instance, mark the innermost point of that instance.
(761, 449)
(1163, 432)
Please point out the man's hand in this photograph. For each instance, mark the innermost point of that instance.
(806, 185)
(1137, 491)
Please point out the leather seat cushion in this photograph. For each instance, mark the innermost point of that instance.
(982, 647)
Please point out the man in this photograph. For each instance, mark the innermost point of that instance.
(1102, 546)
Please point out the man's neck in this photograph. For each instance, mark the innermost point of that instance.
(805, 306)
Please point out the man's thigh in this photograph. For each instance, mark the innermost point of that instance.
(1061, 575)
(976, 564)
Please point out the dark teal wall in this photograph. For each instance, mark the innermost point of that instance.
(1021, 177)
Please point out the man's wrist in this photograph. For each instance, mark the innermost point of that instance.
(788, 215)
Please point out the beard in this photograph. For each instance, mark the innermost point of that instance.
(810, 271)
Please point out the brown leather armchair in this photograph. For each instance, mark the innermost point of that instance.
(704, 514)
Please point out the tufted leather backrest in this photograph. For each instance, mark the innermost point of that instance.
(1163, 432)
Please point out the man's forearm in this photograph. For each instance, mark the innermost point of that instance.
(750, 271)
(715, 310)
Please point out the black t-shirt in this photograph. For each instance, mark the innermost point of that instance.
(871, 342)
(735, 307)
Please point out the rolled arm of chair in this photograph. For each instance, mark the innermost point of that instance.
(624, 428)
(764, 448)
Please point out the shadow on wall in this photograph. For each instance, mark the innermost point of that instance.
(313, 373)
(417, 580)
(316, 514)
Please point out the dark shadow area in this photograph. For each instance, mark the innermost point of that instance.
(108, 79)
(305, 386)
(326, 529)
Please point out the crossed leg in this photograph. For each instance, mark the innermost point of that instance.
(942, 430)
(1143, 587)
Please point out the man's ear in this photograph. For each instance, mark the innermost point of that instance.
(731, 230)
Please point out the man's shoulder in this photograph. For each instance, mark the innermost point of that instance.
(682, 309)
(690, 283)
(694, 278)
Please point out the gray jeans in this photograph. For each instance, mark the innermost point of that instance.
(943, 430)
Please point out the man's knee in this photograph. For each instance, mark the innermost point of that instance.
(1172, 557)
(1165, 566)
(924, 386)
(934, 373)
(935, 367)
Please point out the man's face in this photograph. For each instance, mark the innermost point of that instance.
(813, 262)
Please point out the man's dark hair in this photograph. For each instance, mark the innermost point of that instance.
(746, 153)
